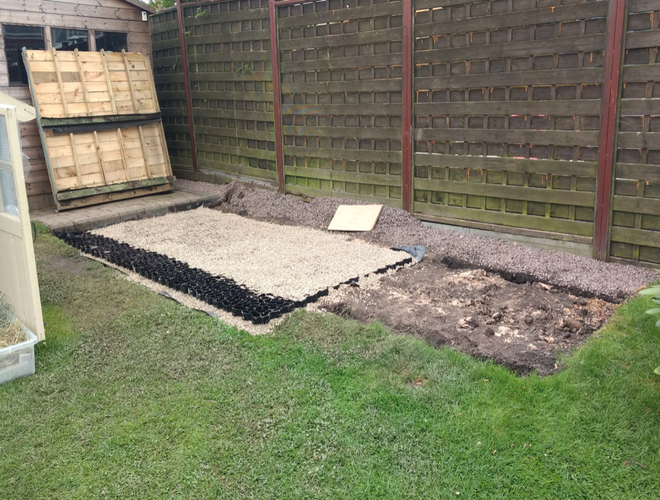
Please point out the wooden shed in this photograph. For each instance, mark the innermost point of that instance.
(87, 25)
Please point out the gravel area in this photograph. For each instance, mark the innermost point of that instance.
(286, 261)
(397, 228)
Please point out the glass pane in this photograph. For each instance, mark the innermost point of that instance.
(110, 42)
(70, 39)
(17, 37)
(8, 200)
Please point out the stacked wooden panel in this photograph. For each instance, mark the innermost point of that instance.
(506, 114)
(340, 71)
(168, 76)
(635, 232)
(228, 47)
(100, 125)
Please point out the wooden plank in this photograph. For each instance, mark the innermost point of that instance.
(638, 140)
(75, 159)
(231, 76)
(516, 79)
(636, 205)
(552, 108)
(641, 73)
(490, 220)
(109, 81)
(639, 107)
(586, 43)
(262, 154)
(546, 15)
(145, 153)
(224, 17)
(348, 132)
(341, 15)
(344, 176)
(510, 136)
(504, 164)
(112, 188)
(59, 82)
(636, 171)
(107, 197)
(635, 236)
(642, 39)
(214, 57)
(83, 83)
(344, 154)
(342, 109)
(136, 106)
(390, 85)
(235, 37)
(642, 6)
(539, 195)
(120, 138)
(258, 135)
(342, 63)
(355, 218)
(222, 95)
(343, 39)
(260, 116)
(100, 155)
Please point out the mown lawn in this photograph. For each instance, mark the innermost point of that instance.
(138, 397)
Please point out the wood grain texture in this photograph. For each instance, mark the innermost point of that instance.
(109, 15)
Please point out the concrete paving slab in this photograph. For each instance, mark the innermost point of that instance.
(86, 218)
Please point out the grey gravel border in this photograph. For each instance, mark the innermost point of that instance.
(396, 227)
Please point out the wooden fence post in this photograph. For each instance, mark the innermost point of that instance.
(407, 75)
(277, 108)
(186, 82)
(608, 127)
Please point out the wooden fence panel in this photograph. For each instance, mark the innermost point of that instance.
(228, 46)
(507, 112)
(635, 231)
(340, 73)
(168, 77)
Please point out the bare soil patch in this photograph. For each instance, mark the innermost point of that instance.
(527, 327)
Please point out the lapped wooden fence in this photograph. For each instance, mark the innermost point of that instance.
(533, 117)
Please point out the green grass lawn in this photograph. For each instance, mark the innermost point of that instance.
(138, 397)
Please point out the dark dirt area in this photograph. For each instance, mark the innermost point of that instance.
(526, 327)
(519, 306)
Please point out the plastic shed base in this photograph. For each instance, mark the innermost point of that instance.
(216, 290)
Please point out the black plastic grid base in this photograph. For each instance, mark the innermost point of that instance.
(216, 290)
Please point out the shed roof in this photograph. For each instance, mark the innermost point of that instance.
(142, 5)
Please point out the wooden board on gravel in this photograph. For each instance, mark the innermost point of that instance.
(355, 218)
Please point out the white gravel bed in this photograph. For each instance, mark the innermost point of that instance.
(287, 261)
